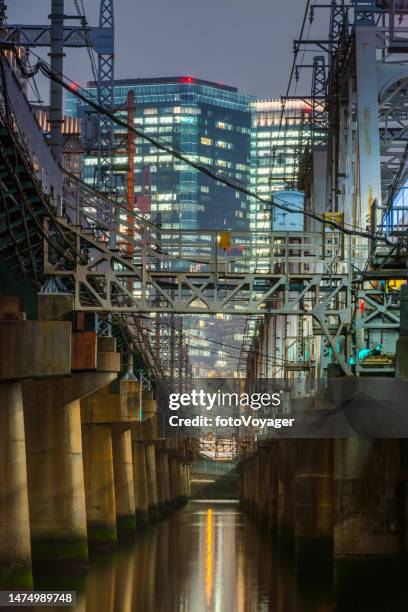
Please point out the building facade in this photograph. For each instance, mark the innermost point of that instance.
(276, 144)
(209, 122)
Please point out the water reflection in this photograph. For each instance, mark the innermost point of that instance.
(207, 558)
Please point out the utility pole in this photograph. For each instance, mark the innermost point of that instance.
(56, 55)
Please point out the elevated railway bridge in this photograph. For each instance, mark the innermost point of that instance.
(90, 303)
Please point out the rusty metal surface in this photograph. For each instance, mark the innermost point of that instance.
(84, 351)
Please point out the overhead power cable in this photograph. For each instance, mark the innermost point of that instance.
(215, 342)
(74, 89)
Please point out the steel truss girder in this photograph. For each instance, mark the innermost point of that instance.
(379, 312)
(101, 39)
(105, 281)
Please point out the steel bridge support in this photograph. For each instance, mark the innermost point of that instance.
(369, 169)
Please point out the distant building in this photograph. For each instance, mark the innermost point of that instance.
(208, 121)
(276, 138)
(226, 130)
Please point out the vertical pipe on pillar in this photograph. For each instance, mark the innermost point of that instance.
(140, 481)
(124, 484)
(15, 549)
(99, 485)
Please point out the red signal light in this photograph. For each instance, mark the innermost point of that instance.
(187, 79)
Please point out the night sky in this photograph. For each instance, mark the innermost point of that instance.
(244, 43)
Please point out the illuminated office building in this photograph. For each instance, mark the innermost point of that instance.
(207, 121)
(276, 139)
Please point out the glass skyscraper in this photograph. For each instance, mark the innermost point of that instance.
(209, 122)
(276, 141)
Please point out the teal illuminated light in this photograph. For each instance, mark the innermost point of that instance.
(363, 353)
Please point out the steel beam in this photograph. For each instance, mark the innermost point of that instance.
(99, 38)
(368, 127)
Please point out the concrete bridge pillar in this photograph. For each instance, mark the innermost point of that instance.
(314, 502)
(286, 493)
(99, 484)
(248, 484)
(161, 489)
(187, 480)
(152, 481)
(140, 483)
(270, 483)
(38, 484)
(62, 489)
(263, 493)
(15, 549)
(116, 408)
(175, 479)
(55, 476)
(178, 478)
(42, 354)
(172, 481)
(166, 480)
(183, 480)
(369, 524)
(123, 477)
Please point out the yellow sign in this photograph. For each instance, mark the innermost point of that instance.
(224, 240)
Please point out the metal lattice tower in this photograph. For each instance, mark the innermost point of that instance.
(319, 115)
(338, 13)
(106, 77)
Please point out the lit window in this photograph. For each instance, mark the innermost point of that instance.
(206, 141)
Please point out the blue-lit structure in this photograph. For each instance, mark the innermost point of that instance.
(209, 121)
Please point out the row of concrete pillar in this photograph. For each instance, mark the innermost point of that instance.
(341, 501)
(67, 485)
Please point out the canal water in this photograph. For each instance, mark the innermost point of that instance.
(208, 557)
